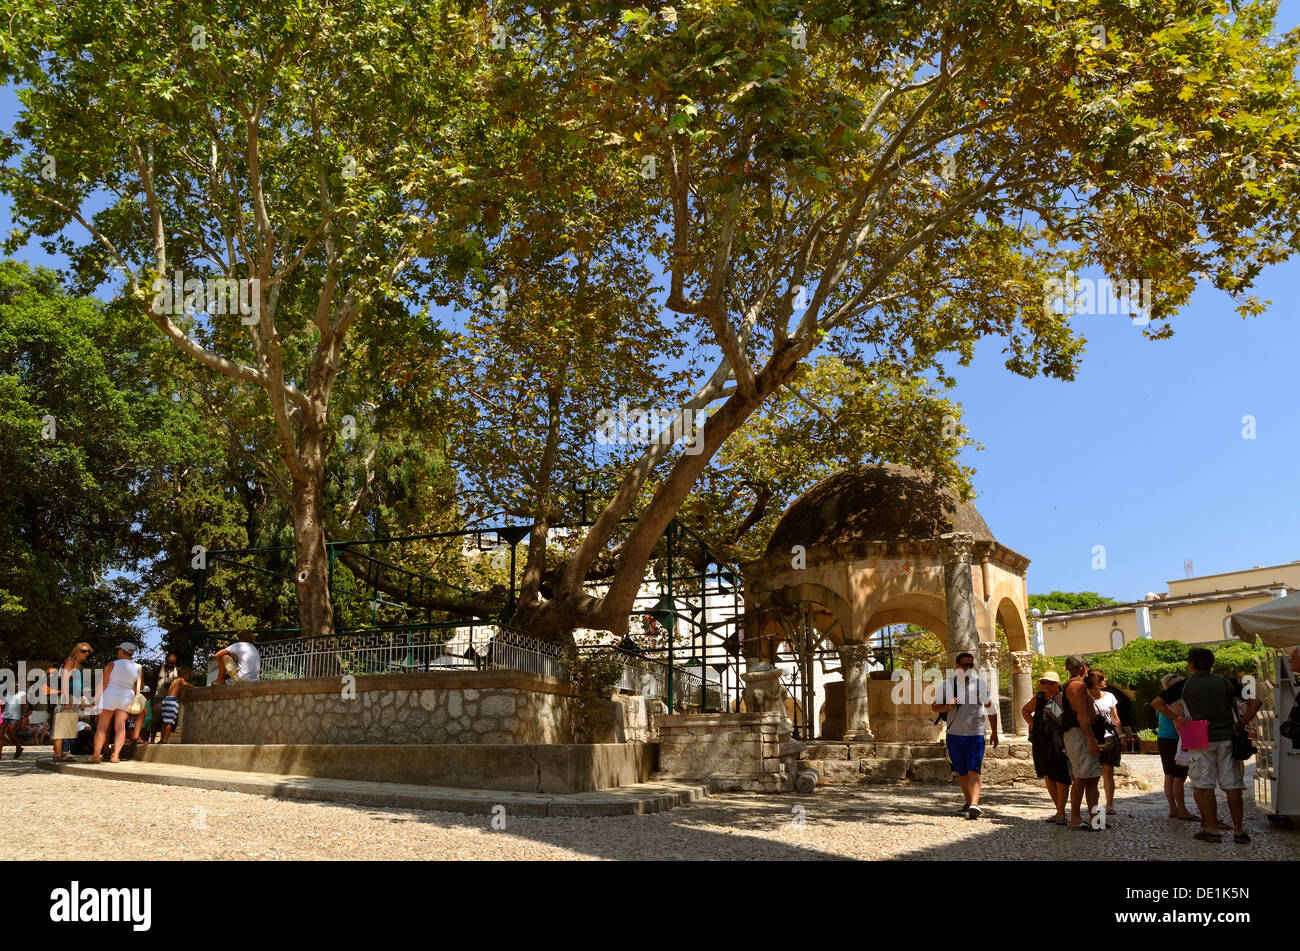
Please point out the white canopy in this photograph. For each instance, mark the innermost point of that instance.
(1276, 623)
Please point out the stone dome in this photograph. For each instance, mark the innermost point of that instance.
(877, 503)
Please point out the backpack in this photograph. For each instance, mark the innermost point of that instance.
(1054, 713)
(943, 717)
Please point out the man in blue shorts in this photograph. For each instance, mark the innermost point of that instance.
(965, 702)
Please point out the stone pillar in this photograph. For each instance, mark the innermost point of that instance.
(1022, 685)
(959, 594)
(986, 664)
(857, 719)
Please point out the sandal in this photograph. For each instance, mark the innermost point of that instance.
(1240, 838)
(1208, 836)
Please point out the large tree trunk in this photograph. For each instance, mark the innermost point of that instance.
(572, 607)
(311, 577)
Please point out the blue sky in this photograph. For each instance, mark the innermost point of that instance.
(1143, 453)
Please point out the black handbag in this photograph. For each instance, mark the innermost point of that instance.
(1242, 748)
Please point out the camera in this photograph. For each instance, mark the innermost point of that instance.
(1291, 728)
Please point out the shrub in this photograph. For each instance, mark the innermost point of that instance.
(594, 673)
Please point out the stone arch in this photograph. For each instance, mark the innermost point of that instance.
(836, 608)
(921, 608)
(1012, 619)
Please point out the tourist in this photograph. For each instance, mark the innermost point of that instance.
(1213, 698)
(1081, 744)
(1167, 744)
(965, 703)
(167, 673)
(171, 705)
(38, 726)
(1050, 762)
(121, 680)
(69, 699)
(83, 743)
(1108, 729)
(16, 725)
(238, 662)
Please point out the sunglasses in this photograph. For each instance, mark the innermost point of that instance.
(966, 666)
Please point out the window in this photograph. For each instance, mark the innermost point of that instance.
(1116, 638)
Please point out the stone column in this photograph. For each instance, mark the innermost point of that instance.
(986, 663)
(959, 594)
(853, 665)
(1022, 685)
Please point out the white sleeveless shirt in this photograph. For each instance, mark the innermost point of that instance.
(124, 674)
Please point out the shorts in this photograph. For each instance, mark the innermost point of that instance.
(1215, 766)
(116, 698)
(966, 753)
(1168, 750)
(1084, 763)
(170, 708)
(1110, 756)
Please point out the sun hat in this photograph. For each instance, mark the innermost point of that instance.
(1051, 675)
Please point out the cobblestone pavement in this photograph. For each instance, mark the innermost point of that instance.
(38, 807)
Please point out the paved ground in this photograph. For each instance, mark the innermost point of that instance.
(38, 807)
(634, 799)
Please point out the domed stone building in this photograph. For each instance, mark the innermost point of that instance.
(873, 547)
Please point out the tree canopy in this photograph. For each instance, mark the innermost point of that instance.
(787, 218)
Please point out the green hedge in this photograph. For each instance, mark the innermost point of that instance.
(1139, 666)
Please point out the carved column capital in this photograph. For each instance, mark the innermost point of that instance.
(1022, 662)
(854, 653)
(957, 544)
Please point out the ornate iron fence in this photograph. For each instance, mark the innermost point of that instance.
(468, 647)
(406, 650)
(650, 678)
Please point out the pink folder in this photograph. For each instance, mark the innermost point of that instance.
(1196, 735)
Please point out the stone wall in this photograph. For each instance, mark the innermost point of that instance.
(425, 708)
(738, 751)
(628, 718)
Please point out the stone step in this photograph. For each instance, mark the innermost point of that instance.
(637, 799)
(831, 750)
(553, 768)
(936, 770)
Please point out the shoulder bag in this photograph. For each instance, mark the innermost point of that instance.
(1242, 748)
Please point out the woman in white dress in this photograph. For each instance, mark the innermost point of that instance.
(121, 681)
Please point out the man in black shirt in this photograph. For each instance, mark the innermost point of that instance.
(1212, 698)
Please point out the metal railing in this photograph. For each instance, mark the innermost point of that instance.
(649, 678)
(405, 651)
(461, 648)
